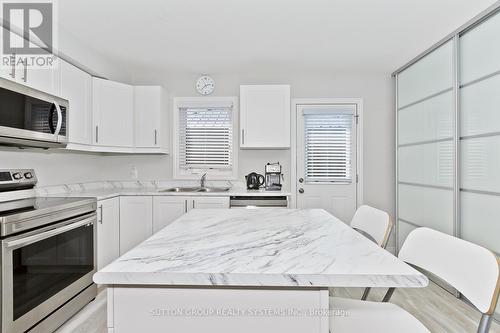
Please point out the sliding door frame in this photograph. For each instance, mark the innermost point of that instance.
(456, 122)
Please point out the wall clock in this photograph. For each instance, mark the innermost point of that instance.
(205, 85)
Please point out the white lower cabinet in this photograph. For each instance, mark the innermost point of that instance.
(136, 221)
(166, 209)
(108, 231)
(126, 221)
(210, 202)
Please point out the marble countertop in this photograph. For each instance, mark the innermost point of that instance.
(109, 189)
(271, 247)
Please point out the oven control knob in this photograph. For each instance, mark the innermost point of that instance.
(28, 175)
(17, 175)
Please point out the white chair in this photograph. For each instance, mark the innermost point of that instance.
(375, 224)
(473, 270)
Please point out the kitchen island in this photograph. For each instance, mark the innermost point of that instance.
(244, 270)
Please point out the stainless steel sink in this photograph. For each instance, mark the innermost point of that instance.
(196, 189)
(180, 189)
(213, 189)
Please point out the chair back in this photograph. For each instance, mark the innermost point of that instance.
(374, 222)
(473, 270)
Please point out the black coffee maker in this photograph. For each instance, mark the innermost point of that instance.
(254, 181)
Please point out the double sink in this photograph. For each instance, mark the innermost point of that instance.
(197, 189)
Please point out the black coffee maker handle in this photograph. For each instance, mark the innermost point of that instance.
(261, 180)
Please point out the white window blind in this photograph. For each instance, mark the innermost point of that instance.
(205, 137)
(328, 141)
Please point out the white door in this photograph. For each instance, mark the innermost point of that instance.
(147, 116)
(113, 113)
(136, 221)
(210, 202)
(108, 231)
(168, 209)
(265, 116)
(43, 79)
(326, 158)
(76, 86)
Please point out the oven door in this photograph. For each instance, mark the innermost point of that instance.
(43, 269)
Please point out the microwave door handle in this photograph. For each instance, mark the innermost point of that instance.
(17, 243)
(59, 118)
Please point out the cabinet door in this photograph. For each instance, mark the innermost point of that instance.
(108, 231)
(5, 71)
(147, 116)
(43, 79)
(113, 113)
(265, 116)
(210, 202)
(136, 221)
(167, 209)
(76, 87)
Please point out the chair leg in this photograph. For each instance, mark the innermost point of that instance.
(388, 295)
(365, 294)
(484, 324)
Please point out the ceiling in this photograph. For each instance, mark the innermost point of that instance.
(228, 36)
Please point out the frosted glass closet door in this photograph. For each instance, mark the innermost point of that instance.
(480, 134)
(425, 144)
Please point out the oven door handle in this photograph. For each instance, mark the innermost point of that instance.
(47, 234)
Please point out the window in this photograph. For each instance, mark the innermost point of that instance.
(205, 138)
(328, 146)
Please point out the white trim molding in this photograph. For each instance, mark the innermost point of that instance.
(359, 142)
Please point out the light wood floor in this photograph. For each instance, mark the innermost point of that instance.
(433, 306)
(437, 309)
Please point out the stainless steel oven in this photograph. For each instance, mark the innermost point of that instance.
(29, 117)
(48, 258)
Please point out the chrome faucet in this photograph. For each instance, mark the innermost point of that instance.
(203, 180)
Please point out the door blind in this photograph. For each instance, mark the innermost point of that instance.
(328, 141)
(206, 138)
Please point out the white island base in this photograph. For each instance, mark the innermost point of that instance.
(193, 310)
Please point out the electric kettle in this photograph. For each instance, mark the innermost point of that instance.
(254, 181)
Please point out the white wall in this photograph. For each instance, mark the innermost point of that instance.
(379, 136)
(376, 90)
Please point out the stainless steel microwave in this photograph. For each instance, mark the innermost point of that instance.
(31, 118)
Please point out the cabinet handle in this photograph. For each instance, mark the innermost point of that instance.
(13, 70)
(242, 136)
(25, 72)
(156, 141)
(185, 206)
(100, 209)
(97, 134)
(193, 204)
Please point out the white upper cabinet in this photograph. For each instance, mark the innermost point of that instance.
(43, 79)
(113, 113)
(147, 115)
(76, 87)
(265, 116)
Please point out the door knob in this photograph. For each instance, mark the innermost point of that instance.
(301, 190)
(301, 180)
